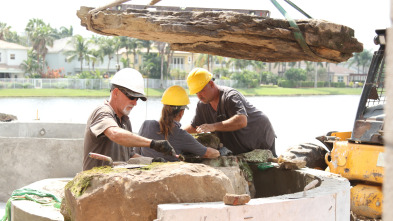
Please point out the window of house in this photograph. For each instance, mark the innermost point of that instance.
(136, 58)
(12, 56)
(340, 79)
(177, 63)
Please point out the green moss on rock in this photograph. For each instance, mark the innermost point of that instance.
(208, 140)
(81, 181)
(257, 156)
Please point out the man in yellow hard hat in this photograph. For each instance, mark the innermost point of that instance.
(175, 100)
(225, 111)
(108, 129)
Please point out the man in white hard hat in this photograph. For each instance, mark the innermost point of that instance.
(108, 130)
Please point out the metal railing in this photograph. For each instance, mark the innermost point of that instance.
(92, 84)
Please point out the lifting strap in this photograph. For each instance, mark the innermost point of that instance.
(296, 31)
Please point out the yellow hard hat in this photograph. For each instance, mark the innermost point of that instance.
(175, 96)
(197, 79)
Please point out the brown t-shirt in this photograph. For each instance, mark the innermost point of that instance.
(258, 134)
(95, 140)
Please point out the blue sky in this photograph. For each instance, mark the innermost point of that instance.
(364, 16)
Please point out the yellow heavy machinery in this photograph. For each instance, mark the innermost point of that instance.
(359, 155)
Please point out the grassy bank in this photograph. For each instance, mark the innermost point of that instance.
(261, 91)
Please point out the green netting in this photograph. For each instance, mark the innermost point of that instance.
(26, 194)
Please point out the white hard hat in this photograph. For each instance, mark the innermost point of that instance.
(130, 79)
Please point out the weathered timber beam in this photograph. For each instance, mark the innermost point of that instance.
(228, 34)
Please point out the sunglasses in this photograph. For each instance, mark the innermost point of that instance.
(128, 96)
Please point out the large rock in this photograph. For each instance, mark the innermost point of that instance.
(228, 34)
(312, 155)
(121, 194)
(7, 117)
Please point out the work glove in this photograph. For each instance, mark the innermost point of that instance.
(158, 159)
(225, 151)
(162, 146)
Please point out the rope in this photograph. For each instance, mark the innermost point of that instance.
(296, 31)
(24, 194)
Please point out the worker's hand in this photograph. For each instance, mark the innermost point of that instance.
(163, 146)
(225, 151)
(205, 128)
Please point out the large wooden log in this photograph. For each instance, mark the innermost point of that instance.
(229, 34)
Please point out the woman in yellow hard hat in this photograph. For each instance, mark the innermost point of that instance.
(175, 100)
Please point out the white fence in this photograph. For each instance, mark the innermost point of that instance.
(93, 84)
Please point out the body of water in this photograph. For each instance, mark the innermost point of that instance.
(296, 119)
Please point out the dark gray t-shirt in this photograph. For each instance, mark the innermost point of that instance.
(181, 140)
(95, 140)
(258, 134)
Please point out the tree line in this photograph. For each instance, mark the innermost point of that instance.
(40, 35)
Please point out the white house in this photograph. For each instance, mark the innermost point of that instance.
(56, 59)
(11, 57)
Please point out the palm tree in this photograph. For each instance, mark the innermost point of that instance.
(81, 50)
(356, 59)
(4, 31)
(125, 43)
(135, 45)
(146, 44)
(259, 66)
(95, 57)
(117, 45)
(205, 59)
(161, 46)
(310, 70)
(220, 60)
(41, 36)
(241, 64)
(202, 60)
(365, 60)
(31, 65)
(107, 48)
(63, 32)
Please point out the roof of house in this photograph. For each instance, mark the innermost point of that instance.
(340, 69)
(65, 44)
(10, 45)
(61, 45)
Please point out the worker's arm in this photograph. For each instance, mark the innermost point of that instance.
(211, 153)
(236, 122)
(126, 138)
(190, 129)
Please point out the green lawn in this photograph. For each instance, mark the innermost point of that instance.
(261, 91)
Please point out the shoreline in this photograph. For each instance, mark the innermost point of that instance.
(260, 91)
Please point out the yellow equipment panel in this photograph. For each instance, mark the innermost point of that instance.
(357, 161)
(367, 200)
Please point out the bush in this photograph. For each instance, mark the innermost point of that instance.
(177, 74)
(246, 79)
(287, 83)
(306, 84)
(337, 84)
(222, 73)
(296, 74)
(269, 78)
